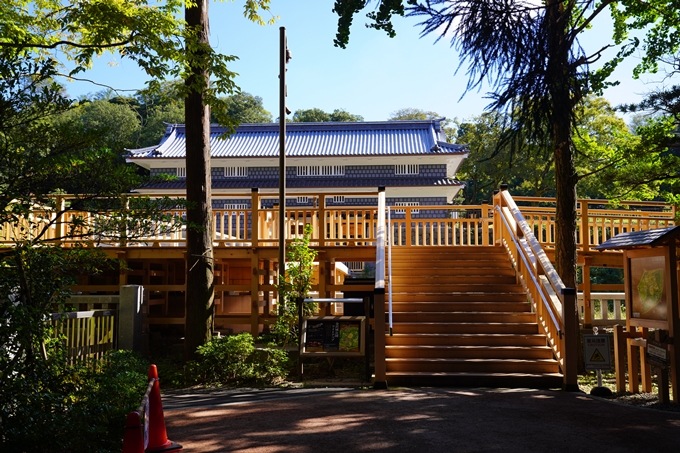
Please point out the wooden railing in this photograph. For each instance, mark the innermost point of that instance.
(597, 220)
(333, 225)
(553, 302)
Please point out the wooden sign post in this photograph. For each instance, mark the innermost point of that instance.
(651, 283)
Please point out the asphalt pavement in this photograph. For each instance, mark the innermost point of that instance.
(326, 420)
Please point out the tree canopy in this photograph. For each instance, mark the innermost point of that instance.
(316, 115)
(411, 114)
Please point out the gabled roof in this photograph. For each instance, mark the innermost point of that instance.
(644, 238)
(383, 138)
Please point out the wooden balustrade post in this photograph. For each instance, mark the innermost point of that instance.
(497, 227)
(322, 220)
(255, 216)
(585, 229)
(587, 303)
(485, 224)
(59, 220)
(412, 234)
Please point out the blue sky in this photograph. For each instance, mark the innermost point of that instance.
(373, 77)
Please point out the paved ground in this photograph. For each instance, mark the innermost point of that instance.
(414, 420)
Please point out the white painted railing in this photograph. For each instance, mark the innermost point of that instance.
(606, 309)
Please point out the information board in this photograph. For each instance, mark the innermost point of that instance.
(333, 335)
(649, 298)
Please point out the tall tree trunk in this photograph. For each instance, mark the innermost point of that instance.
(560, 80)
(199, 277)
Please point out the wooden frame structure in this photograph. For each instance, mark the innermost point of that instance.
(651, 269)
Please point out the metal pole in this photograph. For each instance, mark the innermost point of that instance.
(283, 58)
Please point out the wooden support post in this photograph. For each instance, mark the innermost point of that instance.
(633, 363)
(323, 271)
(571, 335)
(122, 273)
(662, 376)
(255, 217)
(645, 368)
(380, 381)
(255, 296)
(620, 358)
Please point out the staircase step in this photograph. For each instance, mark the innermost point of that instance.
(462, 339)
(466, 268)
(454, 260)
(460, 306)
(463, 379)
(442, 280)
(476, 365)
(460, 296)
(443, 253)
(461, 318)
(480, 352)
(465, 327)
(457, 287)
(464, 317)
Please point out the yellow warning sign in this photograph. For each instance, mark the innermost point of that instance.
(597, 356)
(596, 352)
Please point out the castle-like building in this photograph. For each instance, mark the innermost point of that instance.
(411, 159)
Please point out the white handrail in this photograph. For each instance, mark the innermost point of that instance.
(389, 267)
(380, 243)
(522, 253)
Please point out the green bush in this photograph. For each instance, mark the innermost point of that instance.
(234, 360)
(61, 408)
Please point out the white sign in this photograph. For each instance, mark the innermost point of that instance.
(657, 354)
(596, 352)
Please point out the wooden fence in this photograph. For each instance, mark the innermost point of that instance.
(87, 335)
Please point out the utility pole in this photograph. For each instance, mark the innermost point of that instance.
(284, 55)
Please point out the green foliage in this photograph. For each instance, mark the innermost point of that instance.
(611, 161)
(245, 108)
(234, 360)
(116, 126)
(295, 287)
(73, 408)
(411, 114)
(316, 115)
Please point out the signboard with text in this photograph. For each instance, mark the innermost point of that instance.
(334, 335)
(596, 352)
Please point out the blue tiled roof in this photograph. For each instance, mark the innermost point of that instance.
(310, 183)
(384, 138)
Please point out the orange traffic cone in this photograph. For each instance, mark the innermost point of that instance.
(133, 441)
(158, 438)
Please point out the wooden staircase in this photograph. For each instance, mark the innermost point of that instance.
(461, 319)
